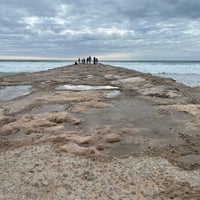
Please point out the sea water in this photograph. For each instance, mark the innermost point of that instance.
(186, 72)
(9, 67)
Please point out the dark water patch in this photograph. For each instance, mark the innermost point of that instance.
(15, 136)
(120, 114)
(144, 124)
(11, 92)
(48, 108)
(122, 149)
(68, 126)
(191, 159)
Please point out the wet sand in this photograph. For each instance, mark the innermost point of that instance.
(97, 131)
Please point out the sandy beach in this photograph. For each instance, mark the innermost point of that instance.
(98, 132)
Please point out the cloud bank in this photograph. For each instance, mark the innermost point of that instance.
(110, 29)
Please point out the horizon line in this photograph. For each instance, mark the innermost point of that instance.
(31, 58)
(103, 60)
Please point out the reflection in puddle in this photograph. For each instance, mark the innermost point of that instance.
(11, 92)
(48, 108)
(85, 87)
(113, 94)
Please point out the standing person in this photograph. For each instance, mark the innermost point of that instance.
(79, 60)
(89, 59)
(94, 60)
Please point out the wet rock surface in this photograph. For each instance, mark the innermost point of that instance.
(140, 141)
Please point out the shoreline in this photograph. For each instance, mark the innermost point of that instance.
(182, 74)
(138, 129)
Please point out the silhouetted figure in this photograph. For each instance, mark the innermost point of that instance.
(83, 61)
(89, 59)
(76, 63)
(95, 60)
(79, 60)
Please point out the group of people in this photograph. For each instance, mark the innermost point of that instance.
(88, 60)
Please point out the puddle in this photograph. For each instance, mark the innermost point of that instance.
(121, 114)
(143, 122)
(11, 92)
(85, 87)
(68, 126)
(124, 149)
(48, 108)
(135, 113)
(113, 94)
(16, 136)
(191, 159)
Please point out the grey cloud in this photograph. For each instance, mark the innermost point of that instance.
(69, 27)
(31, 7)
(162, 9)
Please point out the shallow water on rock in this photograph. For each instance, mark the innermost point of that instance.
(85, 87)
(20, 134)
(48, 108)
(113, 94)
(132, 115)
(122, 149)
(190, 159)
(11, 92)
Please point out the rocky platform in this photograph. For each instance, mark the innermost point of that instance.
(98, 132)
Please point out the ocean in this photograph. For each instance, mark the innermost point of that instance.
(186, 72)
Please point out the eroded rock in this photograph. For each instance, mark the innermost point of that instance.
(159, 91)
(131, 82)
(112, 137)
(193, 109)
(60, 117)
(85, 141)
(74, 148)
(43, 121)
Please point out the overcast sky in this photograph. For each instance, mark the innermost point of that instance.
(109, 29)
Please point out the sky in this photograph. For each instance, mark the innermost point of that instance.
(108, 29)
